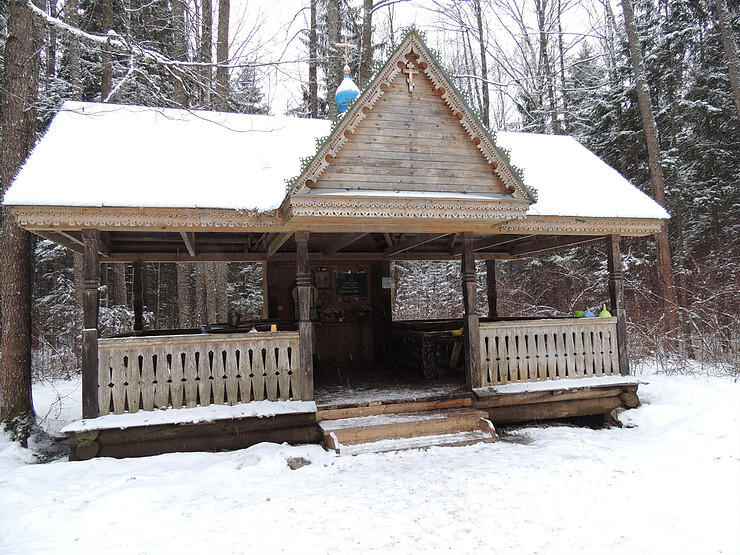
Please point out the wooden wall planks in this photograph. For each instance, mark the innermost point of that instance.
(411, 141)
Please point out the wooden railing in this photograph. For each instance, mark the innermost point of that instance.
(534, 350)
(147, 373)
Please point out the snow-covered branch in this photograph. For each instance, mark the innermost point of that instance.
(119, 43)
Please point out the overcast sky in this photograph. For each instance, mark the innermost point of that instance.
(276, 26)
(269, 31)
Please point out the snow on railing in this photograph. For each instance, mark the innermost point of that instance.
(535, 350)
(147, 373)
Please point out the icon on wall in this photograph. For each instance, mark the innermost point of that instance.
(322, 279)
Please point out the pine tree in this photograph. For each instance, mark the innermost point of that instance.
(21, 71)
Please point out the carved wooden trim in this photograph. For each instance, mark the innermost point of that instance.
(548, 225)
(111, 219)
(403, 208)
(412, 46)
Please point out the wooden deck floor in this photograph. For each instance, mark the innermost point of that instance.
(385, 392)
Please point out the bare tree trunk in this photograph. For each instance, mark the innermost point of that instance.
(313, 83)
(334, 78)
(541, 9)
(181, 50)
(656, 171)
(206, 41)
(51, 44)
(119, 284)
(106, 76)
(184, 295)
(210, 292)
(19, 126)
(730, 47)
(473, 70)
(73, 57)
(210, 307)
(221, 298)
(200, 292)
(485, 109)
(222, 56)
(611, 27)
(366, 53)
(561, 52)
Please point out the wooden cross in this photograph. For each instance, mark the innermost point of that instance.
(346, 45)
(410, 71)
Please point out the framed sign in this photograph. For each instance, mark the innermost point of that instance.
(352, 285)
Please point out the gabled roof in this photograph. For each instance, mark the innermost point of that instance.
(426, 114)
(401, 157)
(102, 155)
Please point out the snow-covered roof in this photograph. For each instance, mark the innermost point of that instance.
(113, 155)
(97, 155)
(570, 180)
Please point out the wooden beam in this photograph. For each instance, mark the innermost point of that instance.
(408, 244)
(61, 239)
(105, 243)
(71, 237)
(184, 257)
(491, 291)
(265, 293)
(138, 296)
(90, 304)
(73, 240)
(277, 242)
(539, 245)
(491, 241)
(189, 239)
(305, 326)
(471, 319)
(344, 241)
(388, 239)
(260, 241)
(316, 257)
(616, 294)
(373, 242)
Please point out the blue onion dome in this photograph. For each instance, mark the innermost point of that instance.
(346, 92)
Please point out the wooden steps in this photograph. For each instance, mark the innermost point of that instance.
(413, 429)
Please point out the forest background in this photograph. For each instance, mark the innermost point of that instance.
(545, 66)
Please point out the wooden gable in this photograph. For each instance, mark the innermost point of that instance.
(411, 141)
(409, 147)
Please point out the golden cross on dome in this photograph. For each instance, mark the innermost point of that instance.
(410, 71)
(346, 45)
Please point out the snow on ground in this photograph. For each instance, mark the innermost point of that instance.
(670, 484)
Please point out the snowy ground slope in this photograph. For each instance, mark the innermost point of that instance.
(670, 485)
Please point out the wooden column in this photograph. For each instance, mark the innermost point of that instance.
(305, 327)
(382, 312)
(473, 367)
(138, 297)
(491, 288)
(90, 302)
(616, 294)
(265, 293)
